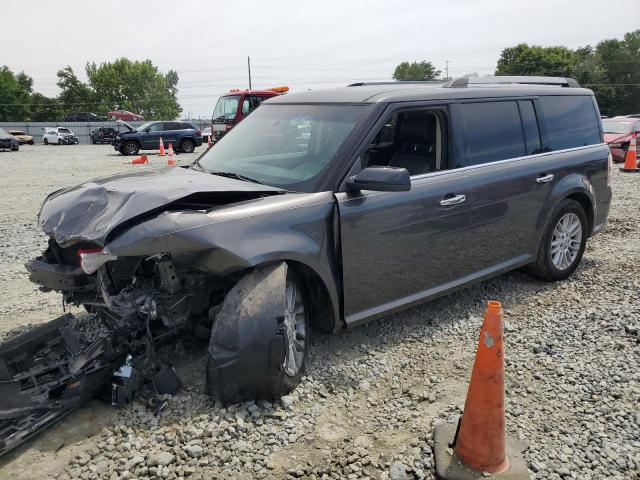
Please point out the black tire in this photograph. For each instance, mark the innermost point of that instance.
(544, 266)
(31, 142)
(46, 142)
(16, 148)
(130, 148)
(258, 373)
(187, 146)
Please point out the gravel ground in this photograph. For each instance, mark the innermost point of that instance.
(370, 400)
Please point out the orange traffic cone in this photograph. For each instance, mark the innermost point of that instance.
(171, 161)
(479, 443)
(209, 142)
(138, 161)
(631, 159)
(161, 148)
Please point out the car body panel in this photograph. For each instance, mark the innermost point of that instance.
(168, 131)
(23, 137)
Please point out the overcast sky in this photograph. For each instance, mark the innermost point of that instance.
(301, 43)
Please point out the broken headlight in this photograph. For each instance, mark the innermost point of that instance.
(92, 260)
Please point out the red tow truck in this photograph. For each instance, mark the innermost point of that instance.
(232, 107)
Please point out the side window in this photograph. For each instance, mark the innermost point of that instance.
(411, 139)
(530, 127)
(493, 132)
(571, 121)
(250, 103)
(157, 127)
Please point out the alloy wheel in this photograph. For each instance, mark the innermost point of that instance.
(566, 241)
(294, 330)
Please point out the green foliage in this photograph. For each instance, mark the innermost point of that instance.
(43, 109)
(15, 94)
(611, 69)
(75, 96)
(135, 86)
(415, 71)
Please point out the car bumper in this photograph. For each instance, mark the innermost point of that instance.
(58, 277)
(618, 154)
(69, 140)
(7, 144)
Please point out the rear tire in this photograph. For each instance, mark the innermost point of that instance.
(230, 381)
(16, 148)
(130, 148)
(46, 142)
(563, 242)
(187, 146)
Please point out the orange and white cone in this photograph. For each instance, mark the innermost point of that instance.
(138, 161)
(209, 142)
(171, 161)
(161, 148)
(631, 159)
(479, 443)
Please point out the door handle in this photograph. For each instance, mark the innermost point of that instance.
(447, 202)
(545, 178)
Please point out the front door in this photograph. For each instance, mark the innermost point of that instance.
(399, 248)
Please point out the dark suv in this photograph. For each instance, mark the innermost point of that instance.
(184, 136)
(330, 208)
(83, 117)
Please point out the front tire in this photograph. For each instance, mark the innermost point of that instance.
(130, 148)
(563, 242)
(46, 142)
(187, 146)
(251, 375)
(16, 148)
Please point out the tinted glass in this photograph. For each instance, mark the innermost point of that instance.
(289, 146)
(616, 126)
(571, 121)
(530, 126)
(494, 132)
(226, 108)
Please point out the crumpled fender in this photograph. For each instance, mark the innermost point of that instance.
(246, 331)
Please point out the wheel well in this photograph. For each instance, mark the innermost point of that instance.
(585, 201)
(321, 315)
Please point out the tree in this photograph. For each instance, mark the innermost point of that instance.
(44, 109)
(416, 71)
(136, 86)
(15, 92)
(535, 60)
(74, 96)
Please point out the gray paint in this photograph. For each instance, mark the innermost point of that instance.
(376, 252)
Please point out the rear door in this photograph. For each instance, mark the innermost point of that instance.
(501, 153)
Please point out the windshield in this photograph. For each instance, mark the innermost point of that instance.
(64, 130)
(616, 126)
(17, 132)
(144, 126)
(286, 146)
(226, 108)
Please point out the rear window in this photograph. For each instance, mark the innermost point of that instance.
(571, 121)
(493, 132)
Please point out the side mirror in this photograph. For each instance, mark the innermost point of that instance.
(147, 130)
(381, 179)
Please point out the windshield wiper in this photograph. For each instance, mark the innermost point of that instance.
(236, 176)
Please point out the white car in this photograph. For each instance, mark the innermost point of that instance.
(59, 136)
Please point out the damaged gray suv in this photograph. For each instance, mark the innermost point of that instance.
(327, 209)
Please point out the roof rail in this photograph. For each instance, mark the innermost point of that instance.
(518, 80)
(394, 82)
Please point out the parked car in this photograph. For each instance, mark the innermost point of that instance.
(82, 117)
(8, 141)
(23, 137)
(618, 132)
(59, 136)
(124, 115)
(104, 134)
(400, 193)
(184, 136)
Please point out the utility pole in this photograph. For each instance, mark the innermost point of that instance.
(249, 67)
(447, 68)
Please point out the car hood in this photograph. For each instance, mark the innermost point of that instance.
(612, 137)
(91, 211)
(131, 129)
